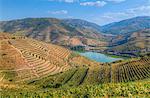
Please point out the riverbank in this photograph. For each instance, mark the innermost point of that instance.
(117, 56)
(99, 57)
(111, 55)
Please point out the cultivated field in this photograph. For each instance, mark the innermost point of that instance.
(49, 70)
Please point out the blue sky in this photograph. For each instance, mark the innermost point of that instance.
(97, 11)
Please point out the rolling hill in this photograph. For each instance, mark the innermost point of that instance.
(133, 44)
(127, 26)
(25, 59)
(65, 32)
(28, 59)
(33, 68)
(72, 33)
(82, 24)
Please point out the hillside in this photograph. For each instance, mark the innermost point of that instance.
(34, 68)
(57, 31)
(116, 90)
(25, 59)
(82, 24)
(127, 26)
(134, 44)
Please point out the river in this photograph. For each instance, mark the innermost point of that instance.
(99, 57)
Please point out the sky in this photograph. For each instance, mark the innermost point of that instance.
(97, 11)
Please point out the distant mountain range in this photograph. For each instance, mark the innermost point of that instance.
(77, 32)
(67, 32)
(127, 26)
(82, 24)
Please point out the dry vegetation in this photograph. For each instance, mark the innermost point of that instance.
(37, 66)
(29, 59)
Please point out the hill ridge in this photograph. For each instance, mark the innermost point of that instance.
(127, 26)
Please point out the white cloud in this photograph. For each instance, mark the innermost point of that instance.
(117, 1)
(67, 1)
(142, 10)
(58, 12)
(96, 3)
(118, 16)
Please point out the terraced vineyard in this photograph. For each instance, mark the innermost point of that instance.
(139, 89)
(40, 59)
(30, 59)
(131, 70)
(40, 66)
(84, 75)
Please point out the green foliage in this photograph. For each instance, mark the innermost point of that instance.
(132, 89)
(72, 55)
(78, 48)
(66, 76)
(78, 77)
(9, 75)
(73, 77)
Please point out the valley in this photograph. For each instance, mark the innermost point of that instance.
(74, 48)
(81, 35)
(34, 68)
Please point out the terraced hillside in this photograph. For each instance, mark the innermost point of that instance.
(121, 71)
(26, 59)
(135, 69)
(34, 65)
(90, 82)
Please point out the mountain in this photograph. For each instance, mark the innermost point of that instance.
(82, 24)
(135, 43)
(127, 26)
(62, 32)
